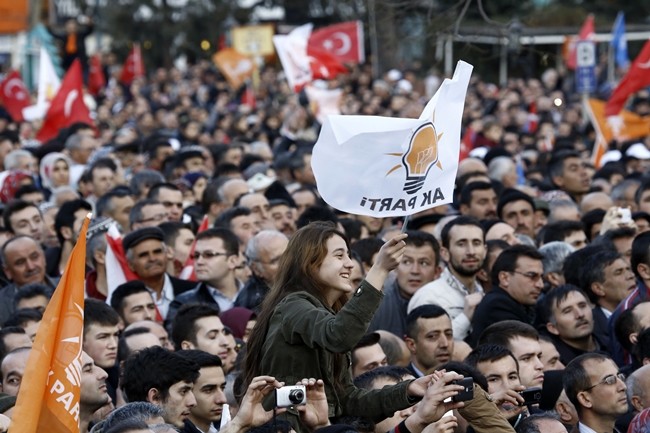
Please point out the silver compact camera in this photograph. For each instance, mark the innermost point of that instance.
(290, 396)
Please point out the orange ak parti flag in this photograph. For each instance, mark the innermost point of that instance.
(624, 127)
(48, 400)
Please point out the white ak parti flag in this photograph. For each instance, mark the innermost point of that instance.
(48, 86)
(387, 167)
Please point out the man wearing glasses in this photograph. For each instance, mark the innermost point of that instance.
(147, 213)
(517, 281)
(216, 258)
(597, 389)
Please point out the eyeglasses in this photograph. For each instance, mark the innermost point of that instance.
(207, 254)
(271, 262)
(156, 218)
(608, 380)
(532, 276)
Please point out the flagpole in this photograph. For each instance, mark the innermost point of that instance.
(406, 223)
(374, 49)
(610, 63)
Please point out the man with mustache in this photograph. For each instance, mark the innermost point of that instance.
(23, 261)
(607, 279)
(429, 338)
(147, 257)
(457, 290)
(569, 320)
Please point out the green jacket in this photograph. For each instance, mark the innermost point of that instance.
(304, 334)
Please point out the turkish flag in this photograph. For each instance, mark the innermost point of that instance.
(636, 78)
(587, 33)
(344, 41)
(133, 66)
(96, 79)
(67, 107)
(323, 65)
(14, 95)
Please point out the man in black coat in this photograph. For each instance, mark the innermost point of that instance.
(517, 280)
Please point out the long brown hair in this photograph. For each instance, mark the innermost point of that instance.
(298, 270)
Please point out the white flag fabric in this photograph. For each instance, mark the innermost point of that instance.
(114, 273)
(387, 167)
(48, 85)
(292, 51)
(323, 102)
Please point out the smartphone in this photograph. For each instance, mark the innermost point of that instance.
(626, 215)
(467, 393)
(531, 396)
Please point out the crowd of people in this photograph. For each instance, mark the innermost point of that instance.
(533, 282)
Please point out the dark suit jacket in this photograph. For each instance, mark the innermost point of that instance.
(181, 286)
(601, 328)
(495, 307)
(413, 371)
(198, 294)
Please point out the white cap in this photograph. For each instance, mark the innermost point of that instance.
(609, 156)
(404, 86)
(394, 75)
(259, 182)
(638, 151)
(478, 152)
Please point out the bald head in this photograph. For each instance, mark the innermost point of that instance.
(595, 200)
(469, 165)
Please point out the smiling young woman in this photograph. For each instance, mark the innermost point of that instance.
(307, 326)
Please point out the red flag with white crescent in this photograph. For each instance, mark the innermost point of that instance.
(133, 66)
(14, 95)
(67, 107)
(96, 79)
(636, 78)
(343, 41)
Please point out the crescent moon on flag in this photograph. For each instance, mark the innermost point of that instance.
(346, 43)
(69, 100)
(645, 65)
(14, 82)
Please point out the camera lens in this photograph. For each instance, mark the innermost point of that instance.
(296, 396)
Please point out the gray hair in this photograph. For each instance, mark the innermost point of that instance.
(162, 428)
(145, 178)
(529, 424)
(554, 255)
(499, 167)
(136, 411)
(618, 191)
(257, 242)
(554, 205)
(74, 142)
(12, 159)
(635, 385)
(58, 194)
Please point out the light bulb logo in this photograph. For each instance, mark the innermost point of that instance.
(421, 155)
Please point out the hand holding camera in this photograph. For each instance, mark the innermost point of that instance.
(313, 410)
(288, 396)
(617, 217)
(438, 399)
